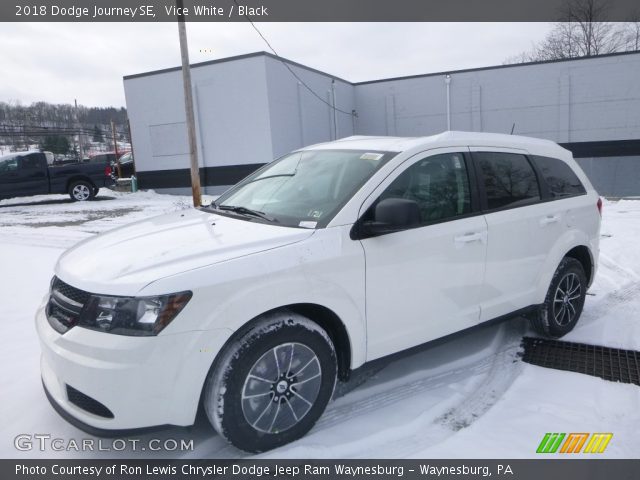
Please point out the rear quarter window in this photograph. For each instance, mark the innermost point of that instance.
(559, 176)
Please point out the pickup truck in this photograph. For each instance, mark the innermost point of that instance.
(27, 173)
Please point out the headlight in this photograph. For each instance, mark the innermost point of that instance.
(136, 316)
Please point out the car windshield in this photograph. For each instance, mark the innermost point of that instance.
(303, 189)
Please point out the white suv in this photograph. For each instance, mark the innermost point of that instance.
(327, 258)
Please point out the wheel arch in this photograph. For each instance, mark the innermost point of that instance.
(583, 254)
(325, 318)
(575, 244)
(319, 314)
(77, 178)
(335, 328)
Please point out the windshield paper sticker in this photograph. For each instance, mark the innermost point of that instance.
(307, 224)
(371, 156)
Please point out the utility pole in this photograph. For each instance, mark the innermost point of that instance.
(131, 145)
(335, 111)
(79, 136)
(188, 106)
(115, 148)
(447, 81)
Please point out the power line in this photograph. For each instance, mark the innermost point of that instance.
(38, 130)
(286, 64)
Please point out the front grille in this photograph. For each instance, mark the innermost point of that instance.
(65, 304)
(86, 403)
(69, 292)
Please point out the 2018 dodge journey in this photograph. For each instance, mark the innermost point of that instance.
(325, 259)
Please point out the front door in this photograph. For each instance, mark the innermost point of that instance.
(424, 282)
(9, 178)
(32, 171)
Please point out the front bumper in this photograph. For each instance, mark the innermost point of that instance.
(143, 381)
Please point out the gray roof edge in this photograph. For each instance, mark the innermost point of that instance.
(495, 67)
(232, 59)
(408, 77)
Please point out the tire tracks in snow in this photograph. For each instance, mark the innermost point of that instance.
(490, 376)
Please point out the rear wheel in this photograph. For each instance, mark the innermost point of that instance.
(563, 304)
(81, 191)
(271, 385)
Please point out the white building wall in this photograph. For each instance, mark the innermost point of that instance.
(298, 118)
(574, 101)
(251, 109)
(232, 118)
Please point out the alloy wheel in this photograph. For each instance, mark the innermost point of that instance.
(566, 299)
(281, 387)
(81, 192)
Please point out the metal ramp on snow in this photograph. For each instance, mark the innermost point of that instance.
(613, 364)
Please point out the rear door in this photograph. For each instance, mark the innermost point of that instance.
(521, 231)
(424, 282)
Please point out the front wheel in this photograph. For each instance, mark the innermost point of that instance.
(564, 301)
(271, 385)
(81, 191)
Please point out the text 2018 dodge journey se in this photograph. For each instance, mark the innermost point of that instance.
(329, 257)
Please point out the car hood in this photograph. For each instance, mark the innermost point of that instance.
(126, 259)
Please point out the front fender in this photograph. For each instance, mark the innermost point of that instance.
(327, 269)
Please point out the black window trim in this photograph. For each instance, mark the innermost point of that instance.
(550, 196)
(543, 188)
(545, 192)
(476, 210)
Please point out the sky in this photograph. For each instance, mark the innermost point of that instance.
(60, 62)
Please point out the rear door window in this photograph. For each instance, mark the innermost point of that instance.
(560, 178)
(508, 178)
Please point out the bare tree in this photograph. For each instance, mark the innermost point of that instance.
(631, 32)
(583, 30)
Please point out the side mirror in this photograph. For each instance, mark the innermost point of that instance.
(390, 215)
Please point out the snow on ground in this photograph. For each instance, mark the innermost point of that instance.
(470, 397)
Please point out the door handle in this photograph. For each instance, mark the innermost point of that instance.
(468, 238)
(549, 219)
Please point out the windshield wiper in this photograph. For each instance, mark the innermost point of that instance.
(271, 176)
(245, 211)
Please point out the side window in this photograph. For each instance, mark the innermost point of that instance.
(30, 162)
(9, 164)
(509, 179)
(439, 184)
(561, 179)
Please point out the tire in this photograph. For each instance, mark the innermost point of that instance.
(253, 400)
(81, 191)
(563, 304)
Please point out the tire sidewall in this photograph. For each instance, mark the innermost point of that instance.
(567, 266)
(233, 424)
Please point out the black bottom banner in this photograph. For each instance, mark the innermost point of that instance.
(547, 469)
